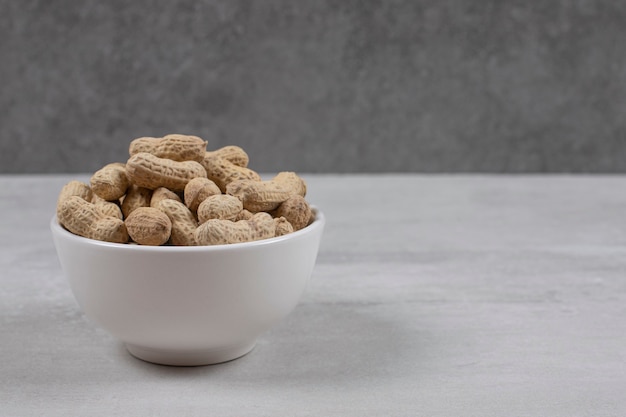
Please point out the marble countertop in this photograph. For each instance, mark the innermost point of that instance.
(433, 295)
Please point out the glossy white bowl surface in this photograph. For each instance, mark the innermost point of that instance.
(192, 305)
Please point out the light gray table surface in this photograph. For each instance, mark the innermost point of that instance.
(433, 295)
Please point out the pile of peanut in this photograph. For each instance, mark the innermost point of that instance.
(173, 191)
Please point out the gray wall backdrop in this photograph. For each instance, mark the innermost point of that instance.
(318, 86)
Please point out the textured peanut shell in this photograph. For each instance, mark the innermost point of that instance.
(109, 208)
(283, 227)
(233, 154)
(258, 195)
(243, 215)
(267, 195)
(296, 210)
(220, 206)
(74, 188)
(82, 218)
(149, 171)
(175, 147)
(222, 172)
(110, 182)
(222, 232)
(199, 189)
(149, 226)
(183, 221)
(135, 197)
(292, 181)
(163, 193)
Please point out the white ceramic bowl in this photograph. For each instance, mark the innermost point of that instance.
(194, 305)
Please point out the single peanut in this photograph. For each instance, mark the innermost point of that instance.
(257, 196)
(183, 221)
(233, 154)
(267, 195)
(220, 232)
(149, 226)
(292, 181)
(175, 147)
(296, 210)
(82, 218)
(221, 206)
(149, 171)
(222, 172)
(110, 182)
(163, 193)
(283, 227)
(74, 188)
(199, 189)
(135, 197)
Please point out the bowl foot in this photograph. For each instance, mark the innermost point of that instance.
(191, 357)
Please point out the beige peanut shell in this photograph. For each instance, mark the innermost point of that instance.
(149, 226)
(175, 147)
(109, 208)
(292, 181)
(135, 197)
(183, 221)
(163, 193)
(199, 189)
(233, 154)
(74, 188)
(149, 171)
(283, 227)
(110, 182)
(243, 215)
(220, 206)
(222, 172)
(296, 210)
(82, 218)
(258, 196)
(267, 195)
(222, 232)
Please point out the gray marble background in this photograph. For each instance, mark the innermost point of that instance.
(318, 86)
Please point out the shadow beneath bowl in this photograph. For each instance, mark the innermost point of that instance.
(173, 370)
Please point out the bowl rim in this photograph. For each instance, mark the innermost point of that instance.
(318, 223)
